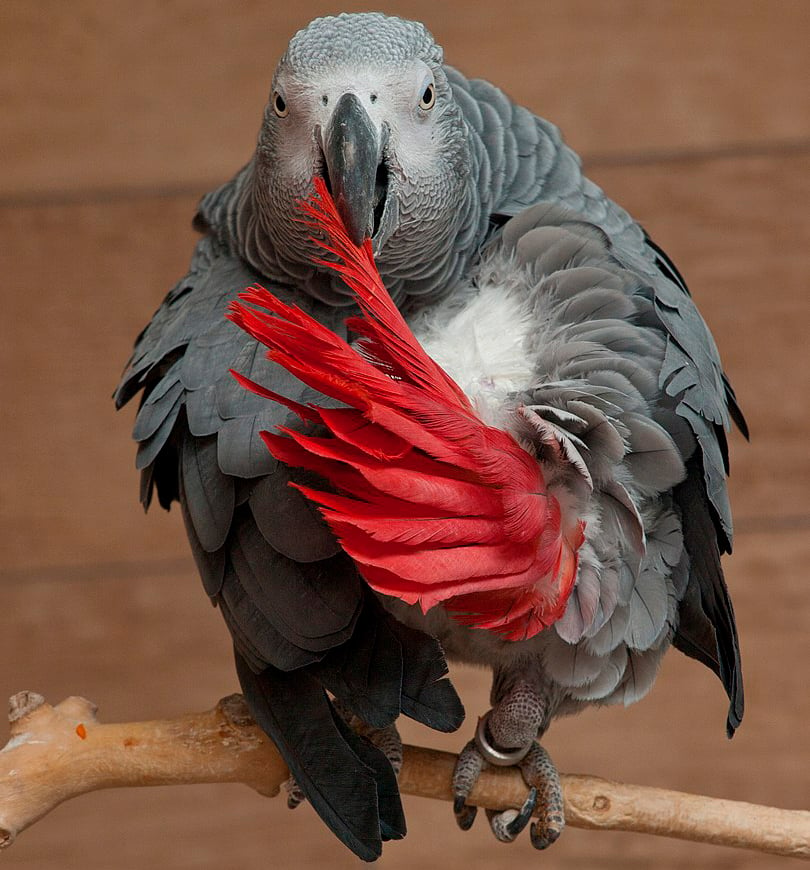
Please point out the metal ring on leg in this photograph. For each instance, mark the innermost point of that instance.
(498, 757)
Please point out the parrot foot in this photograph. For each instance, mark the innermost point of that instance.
(545, 795)
(387, 740)
(295, 797)
(545, 791)
(539, 771)
(468, 768)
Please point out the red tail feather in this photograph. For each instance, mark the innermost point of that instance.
(436, 507)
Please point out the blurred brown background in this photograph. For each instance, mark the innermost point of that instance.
(115, 117)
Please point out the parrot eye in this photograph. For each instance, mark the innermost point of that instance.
(428, 99)
(279, 106)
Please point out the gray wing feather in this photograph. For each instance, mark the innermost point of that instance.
(213, 351)
(281, 513)
(168, 382)
(304, 602)
(254, 635)
(240, 450)
(210, 564)
(201, 411)
(152, 413)
(714, 474)
(210, 494)
(149, 449)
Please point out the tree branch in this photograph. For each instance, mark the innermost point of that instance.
(56, 753)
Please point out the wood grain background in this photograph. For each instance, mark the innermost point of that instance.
(115, 118)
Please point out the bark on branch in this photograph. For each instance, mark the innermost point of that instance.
(56, 753)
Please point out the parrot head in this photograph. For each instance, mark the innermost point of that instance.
(363, 102)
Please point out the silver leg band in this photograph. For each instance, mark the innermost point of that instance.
(498, 757)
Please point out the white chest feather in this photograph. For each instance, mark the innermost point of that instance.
(480, 343)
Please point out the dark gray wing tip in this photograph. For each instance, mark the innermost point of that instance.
(349, 782)
(428, 696)
(707, 629)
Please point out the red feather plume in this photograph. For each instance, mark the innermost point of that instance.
(434, 506)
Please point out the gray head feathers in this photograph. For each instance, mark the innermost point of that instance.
(368, 37)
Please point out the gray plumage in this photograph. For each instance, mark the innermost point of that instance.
(626, 400)
(595, 410)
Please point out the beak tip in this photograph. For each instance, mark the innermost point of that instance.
(348, 217)
(356, 237)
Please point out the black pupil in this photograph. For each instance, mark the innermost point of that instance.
(280, 104)
(427, 97)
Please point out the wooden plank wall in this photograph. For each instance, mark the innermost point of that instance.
(115, 118)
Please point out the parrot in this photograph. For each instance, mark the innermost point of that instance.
(477, 417)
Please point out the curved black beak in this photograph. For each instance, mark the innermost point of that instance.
(352, 153)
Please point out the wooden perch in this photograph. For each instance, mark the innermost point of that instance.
(56, 753)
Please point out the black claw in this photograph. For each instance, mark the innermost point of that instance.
(465, 814)
(522, 818)
(542, 840)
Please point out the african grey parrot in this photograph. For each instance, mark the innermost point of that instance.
(564, 324)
